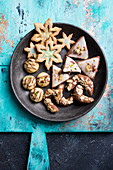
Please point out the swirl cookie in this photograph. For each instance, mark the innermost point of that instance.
(31, 66)
(29, 82)
(36, 94)
(43, 79)
(78, 95)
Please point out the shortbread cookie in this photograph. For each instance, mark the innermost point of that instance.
(90, 66)
(31, 50)
(44, 32)
(29, 82)
(31, 66)
(49, 53)
(83, 80)
(36, 94)
(80, 97)
(70, 65)
(43, 79)
(50, 106)
(79, 49)
(66, 40)
(58, 77)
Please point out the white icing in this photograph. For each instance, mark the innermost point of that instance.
(83, 64)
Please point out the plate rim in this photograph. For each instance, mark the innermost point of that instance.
(74, 117)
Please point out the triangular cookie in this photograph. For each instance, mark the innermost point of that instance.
(79, 49)
(70, 65)
(90, 66)
(58, 77)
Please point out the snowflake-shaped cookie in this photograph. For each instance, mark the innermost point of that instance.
(45, 31)
(31, 50)
(49, 53)
(66, 40)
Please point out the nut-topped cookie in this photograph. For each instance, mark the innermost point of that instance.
(31, 66)
(29, 82)
(36, 94)
(43, 79)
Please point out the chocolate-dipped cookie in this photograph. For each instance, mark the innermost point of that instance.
(36, 94)
(29, 82)
(31, 66)
(43, 79)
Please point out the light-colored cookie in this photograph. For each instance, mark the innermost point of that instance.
(70, 65)
(85, 81)
(50, 106)
(44, 32)
(90, 66)
(58, 77)
(49, 53)
(66, 40)
(36, 94)
(79, 49)
(31, 66)
(43, 79)
(31, 50)
(29, 82)
(80, 97)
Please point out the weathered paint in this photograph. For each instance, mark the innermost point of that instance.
(17, 20)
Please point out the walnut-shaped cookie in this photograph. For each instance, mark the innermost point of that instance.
(44, 32)
(49, 53)
(43, 79)
(29, 82)
(36, 94)
(31, 66)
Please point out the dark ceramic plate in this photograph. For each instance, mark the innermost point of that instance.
(65, 113)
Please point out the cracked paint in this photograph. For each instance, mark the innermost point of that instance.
(3, 32)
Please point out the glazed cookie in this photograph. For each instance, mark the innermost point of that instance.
(79, 49)
(29, 82)
(83, 80)
(31, 66)
(44, 32)
(50, 106)
(90, 66)
(66, 40)
(36, 94)
(31, 50)
(43, 79)
(49, 53)
(78, 95)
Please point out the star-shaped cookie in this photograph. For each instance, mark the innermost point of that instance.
(49, 53)
(66, 40)
(31, 50)
(44, 32)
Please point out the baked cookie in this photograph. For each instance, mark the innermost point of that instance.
(70, 65)
(83, 80)
(31, 50)
(44, 32)
(49, 53)
(43, 79)
(66, 40)
(79, 49)
(29, 82)
(90, 67)
(31, 66)
(50, 106)
(58, 77)
(80, 97)
(36, 94)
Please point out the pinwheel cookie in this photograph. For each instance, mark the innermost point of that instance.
(66, 40)
(44, 32)
(31, 50)
(49, 53)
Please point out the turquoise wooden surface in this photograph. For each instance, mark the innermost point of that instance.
(16, 20)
